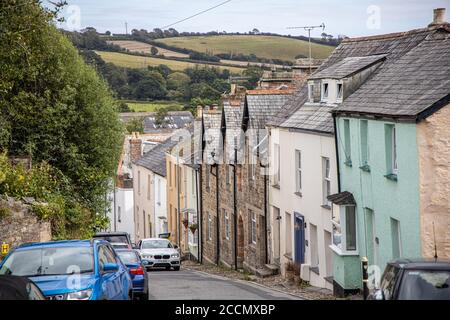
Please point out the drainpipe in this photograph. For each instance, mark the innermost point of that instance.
(114, 203)
(265, 218)
(199, 221)
(337, 151)
(235, 209)
(200, 200)
(218, 217)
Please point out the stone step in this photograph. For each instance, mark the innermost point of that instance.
(275, 269)
(263, 273)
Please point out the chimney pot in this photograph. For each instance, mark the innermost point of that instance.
(438, 16)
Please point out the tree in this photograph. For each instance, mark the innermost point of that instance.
(135, 125)
(150, 88)
(161, 116)
(154, 51)
(55, 107)
(177, 80)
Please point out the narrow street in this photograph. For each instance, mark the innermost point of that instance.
(194, 285)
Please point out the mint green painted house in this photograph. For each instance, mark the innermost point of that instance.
(386, 88)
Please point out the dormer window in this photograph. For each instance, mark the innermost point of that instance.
(311, 92)
(339, 91)
(325, 91)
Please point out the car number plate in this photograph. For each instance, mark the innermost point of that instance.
(163, 261)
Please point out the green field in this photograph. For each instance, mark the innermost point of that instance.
(132, 61)
(138, 106)
(270, 47)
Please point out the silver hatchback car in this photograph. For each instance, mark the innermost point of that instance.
(159, 253)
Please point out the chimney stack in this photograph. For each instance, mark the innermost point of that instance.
(135, 147)
(199, 112)
(438, 16)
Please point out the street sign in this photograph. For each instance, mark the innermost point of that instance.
(5, 248)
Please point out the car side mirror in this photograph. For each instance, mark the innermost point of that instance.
(110, 267)
(175, 246)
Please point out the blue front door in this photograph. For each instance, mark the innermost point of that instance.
(299, 238)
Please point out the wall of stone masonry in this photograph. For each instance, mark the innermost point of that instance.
(19, 225)
(209, 207)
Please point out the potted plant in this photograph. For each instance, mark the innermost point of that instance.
(185, 222)
(297, 278)
(193, 227)
(289, 271)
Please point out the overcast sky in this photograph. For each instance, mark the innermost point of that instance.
(351, 18)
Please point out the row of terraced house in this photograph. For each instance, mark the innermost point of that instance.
(317, 170)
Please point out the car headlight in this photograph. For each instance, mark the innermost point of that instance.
(175, 255)
(148, 256)
(80, 295)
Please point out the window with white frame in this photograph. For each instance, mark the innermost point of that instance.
(344, 229)
(311, 92)
(209, 227)
(252, 216)
(276, 177)
(325, 86)
(159, 192)
(227, 224)
(149, 182)
(391, 149)
(298, 171)
(139, 182)
(394, 150)
(339, 91)
(326, 188)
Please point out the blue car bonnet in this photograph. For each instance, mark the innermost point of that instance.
(51, 285)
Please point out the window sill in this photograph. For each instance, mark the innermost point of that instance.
(339, 252)
(391, 176)
(325, 206)
(276, 186)
(298, 194)
(365, 168)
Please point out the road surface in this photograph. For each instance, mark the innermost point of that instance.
(194, 285)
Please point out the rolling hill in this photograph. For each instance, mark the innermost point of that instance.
(141, 47)
(270, 47)
(132, 61)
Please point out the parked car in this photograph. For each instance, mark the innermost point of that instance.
(19, 288)
(118, 239)
(418, 279)
(159, 253)
(71, 270)
(137, 271)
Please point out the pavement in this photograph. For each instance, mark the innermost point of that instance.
(196, 285)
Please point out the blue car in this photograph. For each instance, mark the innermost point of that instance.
(71, 270)
(137, 272)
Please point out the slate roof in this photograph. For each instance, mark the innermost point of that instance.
(212, 135)
(262, 107)
(343, 198)
(174, 120)
(232, 116)
(348, 66)
(155, 159)
(413, 76)
(409, 85)
(311, 117)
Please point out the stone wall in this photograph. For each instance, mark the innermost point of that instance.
(433, 140)
(19, 225)
(209, 203)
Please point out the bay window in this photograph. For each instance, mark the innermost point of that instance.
(344, 230)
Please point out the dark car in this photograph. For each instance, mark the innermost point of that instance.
(19, 288)
(117, 239)
(418, 279)
(137, 271)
